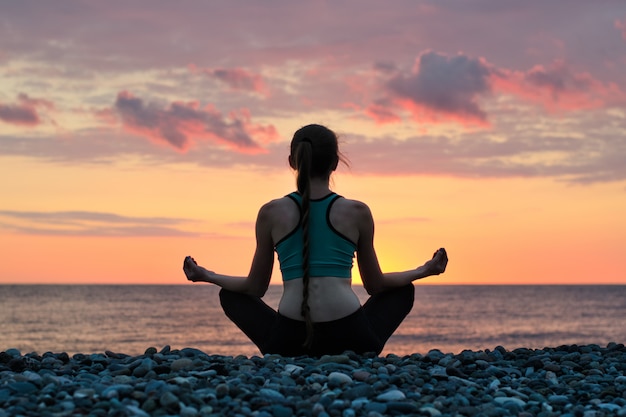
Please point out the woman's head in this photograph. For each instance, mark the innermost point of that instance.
(314, 148)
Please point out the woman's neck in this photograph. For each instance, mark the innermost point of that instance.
(319, 188)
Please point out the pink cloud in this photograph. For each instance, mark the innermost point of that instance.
(237, 79)
(25, 111)
(382, 113)
(179, 124)
(442, 88)
(557, 87)
(621, 26)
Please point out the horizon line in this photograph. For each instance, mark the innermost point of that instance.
(354, 284)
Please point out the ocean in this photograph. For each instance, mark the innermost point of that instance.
(130, 318)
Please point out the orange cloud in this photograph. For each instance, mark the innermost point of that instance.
(25, 112)
(180, 124)
(89, 223)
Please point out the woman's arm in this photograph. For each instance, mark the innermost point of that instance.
(374, 280)
(258, 279)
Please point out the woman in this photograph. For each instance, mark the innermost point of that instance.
(316, 234)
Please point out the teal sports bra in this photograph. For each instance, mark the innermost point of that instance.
(331, 254)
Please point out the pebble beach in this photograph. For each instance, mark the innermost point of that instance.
(569, 380)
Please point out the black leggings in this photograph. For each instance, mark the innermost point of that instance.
(366, 330)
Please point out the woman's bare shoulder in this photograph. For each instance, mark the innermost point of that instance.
(279, 208)
(351, 213)
(278, 203)
(352, 206)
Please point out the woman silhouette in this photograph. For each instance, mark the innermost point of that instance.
(316, 234)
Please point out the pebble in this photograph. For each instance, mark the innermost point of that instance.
(569, 380)
(168, 400)
(503, 400)
(431, 411)
(339, 378)
(181, 364)
(392, 395)
(271, 394)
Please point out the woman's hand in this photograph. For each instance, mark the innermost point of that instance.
(193, 271)
(437, 265)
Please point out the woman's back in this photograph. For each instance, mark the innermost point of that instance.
(336, 223)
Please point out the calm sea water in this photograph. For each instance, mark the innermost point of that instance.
(128, 319)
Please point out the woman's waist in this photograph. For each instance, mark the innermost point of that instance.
(325, 283)
(317, 270)
(330, 298)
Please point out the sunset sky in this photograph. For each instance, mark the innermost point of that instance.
(135, 133)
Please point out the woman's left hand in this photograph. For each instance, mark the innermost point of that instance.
(193, 271)
(437, 265)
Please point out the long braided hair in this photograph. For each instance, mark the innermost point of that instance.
(314, 154)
